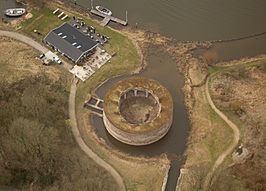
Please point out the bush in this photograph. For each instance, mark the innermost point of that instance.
(210, 58)
(37, 149)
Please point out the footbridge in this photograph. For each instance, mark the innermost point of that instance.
(95, 105)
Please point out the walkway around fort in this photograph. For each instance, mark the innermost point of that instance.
(72, 110)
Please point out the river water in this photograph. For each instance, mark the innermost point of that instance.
(192, 19)
(198, 20)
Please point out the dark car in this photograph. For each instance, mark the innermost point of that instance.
(41, 56)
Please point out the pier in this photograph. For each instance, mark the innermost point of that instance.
(107, 18)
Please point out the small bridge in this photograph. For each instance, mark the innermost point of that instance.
(95, 105)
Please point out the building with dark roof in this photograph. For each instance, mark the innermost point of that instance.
(70, 42)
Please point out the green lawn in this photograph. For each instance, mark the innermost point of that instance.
(43, 21)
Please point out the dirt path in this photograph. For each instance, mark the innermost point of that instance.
(30, 42)
(72, 110)
(24, 39)
(233, 144)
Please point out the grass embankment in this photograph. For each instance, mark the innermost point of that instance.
(239, 91)
(210, 136)
(38, 151)
(138, 173)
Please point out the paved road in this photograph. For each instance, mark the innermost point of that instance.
(233, 144)
(72, 110)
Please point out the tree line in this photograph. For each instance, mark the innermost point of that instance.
(37, 149)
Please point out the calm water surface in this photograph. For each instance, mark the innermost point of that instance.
(192, 19)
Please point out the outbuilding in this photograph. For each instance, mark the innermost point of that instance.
(71, 42)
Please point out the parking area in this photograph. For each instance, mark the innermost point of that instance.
(49, 57)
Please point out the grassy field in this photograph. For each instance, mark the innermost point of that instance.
(245, 109)
(38, 151)
(210, 136)
(139, 174)
(19, 59)
(43, 21)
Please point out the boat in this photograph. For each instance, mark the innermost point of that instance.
(103, 10)
(15, 12)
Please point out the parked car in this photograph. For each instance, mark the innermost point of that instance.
(47, 62)
(57, 60)
(42, 56)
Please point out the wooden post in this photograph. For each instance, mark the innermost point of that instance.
(91, 4)
(126, 15)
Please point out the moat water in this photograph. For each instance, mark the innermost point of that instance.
(163, 69)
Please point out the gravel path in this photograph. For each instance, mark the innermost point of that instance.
(230, 148)
(72, 110)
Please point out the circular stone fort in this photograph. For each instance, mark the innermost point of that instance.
(138, 111)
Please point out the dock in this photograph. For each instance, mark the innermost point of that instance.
(107, 18)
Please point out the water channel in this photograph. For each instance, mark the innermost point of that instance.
(183, 20)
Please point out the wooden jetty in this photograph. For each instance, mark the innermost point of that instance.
(107, 18)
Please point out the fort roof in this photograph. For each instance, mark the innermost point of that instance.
(111, 104)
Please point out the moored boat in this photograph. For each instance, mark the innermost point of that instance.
(103, 10)
(15, 12)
